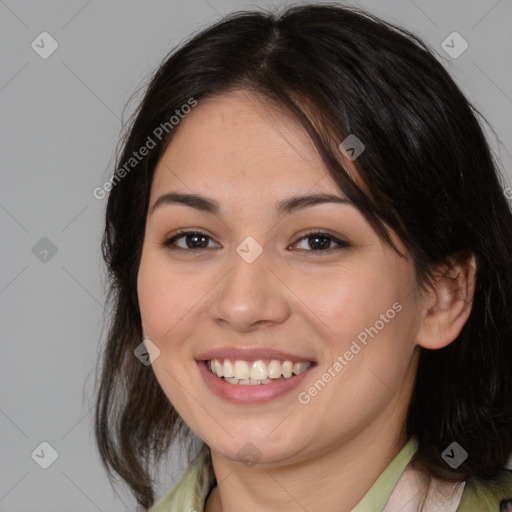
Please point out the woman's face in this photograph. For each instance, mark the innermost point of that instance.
(256, 287)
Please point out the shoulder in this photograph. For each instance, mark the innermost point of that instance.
(486, 495)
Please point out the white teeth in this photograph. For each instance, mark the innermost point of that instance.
(287, 369)
(274, 369)
(241, 370)
(244, 381)
(300, 367)
(228, 369)
(219, 368)
(256, 372)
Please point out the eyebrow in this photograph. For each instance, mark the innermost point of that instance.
(285, 207)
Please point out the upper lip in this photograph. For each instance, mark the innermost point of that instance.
(250, 354)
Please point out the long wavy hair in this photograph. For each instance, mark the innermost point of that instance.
(430, 175)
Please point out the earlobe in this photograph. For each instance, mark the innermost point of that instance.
(450, 303)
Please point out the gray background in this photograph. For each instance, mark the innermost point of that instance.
(60, 121)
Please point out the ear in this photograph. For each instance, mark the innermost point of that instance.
(448, 305)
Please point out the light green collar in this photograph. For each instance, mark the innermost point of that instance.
(379, 493)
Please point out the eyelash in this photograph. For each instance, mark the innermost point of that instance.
(310, 234)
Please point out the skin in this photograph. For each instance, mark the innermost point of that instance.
(239, 150)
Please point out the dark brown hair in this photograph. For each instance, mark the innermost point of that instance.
(430, 177)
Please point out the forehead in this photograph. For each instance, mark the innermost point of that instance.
(240, 141)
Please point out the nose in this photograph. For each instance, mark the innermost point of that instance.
(250, 296)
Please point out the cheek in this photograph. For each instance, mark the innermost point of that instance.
(167, 301)
(164, 296)
(365, 317)
(347, 301)
(171, 297)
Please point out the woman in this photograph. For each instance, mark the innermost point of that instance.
(309, 250)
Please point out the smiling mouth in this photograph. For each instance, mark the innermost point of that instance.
(255, 372)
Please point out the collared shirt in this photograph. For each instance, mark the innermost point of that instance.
(398, 488)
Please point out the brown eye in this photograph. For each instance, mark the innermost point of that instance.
(192, 240)
(320, 242)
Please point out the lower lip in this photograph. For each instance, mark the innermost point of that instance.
(250, 393)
